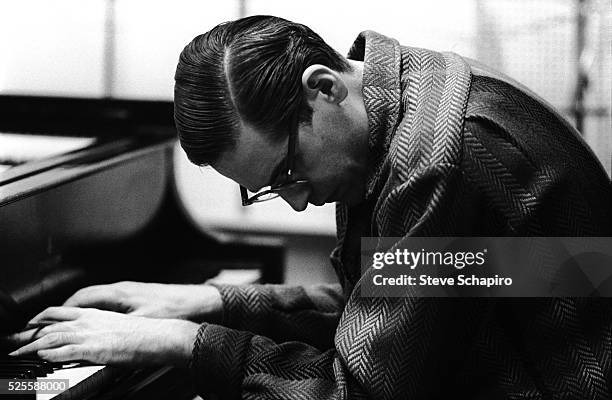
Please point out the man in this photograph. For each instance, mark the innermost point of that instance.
(409, 142)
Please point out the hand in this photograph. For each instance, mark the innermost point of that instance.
(193, 302)
(105, 337)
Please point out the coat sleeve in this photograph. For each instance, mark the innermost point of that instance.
(384, 349)
(237, 364)
(283, 312)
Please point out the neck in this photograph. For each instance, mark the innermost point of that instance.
(354, 81)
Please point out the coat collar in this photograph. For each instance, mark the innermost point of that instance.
(381, 93)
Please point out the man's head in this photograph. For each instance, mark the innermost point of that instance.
(242, 87)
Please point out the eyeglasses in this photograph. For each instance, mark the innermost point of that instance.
(287, 185)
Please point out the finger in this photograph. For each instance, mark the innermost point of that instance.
(29, 335)
(43, 324)
(20, 338)
(102, 297)
(39, 324)
(69, 352)
(55, 314)
(52, 340)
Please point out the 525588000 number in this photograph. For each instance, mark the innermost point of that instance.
(40, 386)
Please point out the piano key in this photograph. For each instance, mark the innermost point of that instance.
(16, 375)
(14, 362)
(38, 371)
(28, 374)
(77, 375)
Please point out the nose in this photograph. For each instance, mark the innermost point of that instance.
(297, 199)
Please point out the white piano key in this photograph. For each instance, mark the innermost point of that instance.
(74, 374)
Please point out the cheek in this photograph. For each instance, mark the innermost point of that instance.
(321, 150)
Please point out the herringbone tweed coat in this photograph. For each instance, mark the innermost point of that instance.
(456, 150)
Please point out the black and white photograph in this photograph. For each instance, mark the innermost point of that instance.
(314, 200)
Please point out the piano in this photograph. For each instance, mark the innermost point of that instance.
(88, 196)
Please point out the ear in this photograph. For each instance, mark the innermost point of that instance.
(321, 82)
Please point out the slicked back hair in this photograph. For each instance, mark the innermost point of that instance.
(247, 70)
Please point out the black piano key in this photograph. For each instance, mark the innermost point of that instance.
(37, 371)
(30, 359)
(40, 367)
(26, 371)
(19, 375)
(28, 374)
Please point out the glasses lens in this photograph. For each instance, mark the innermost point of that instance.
(264, 196)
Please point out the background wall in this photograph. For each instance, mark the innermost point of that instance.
(129, 49)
